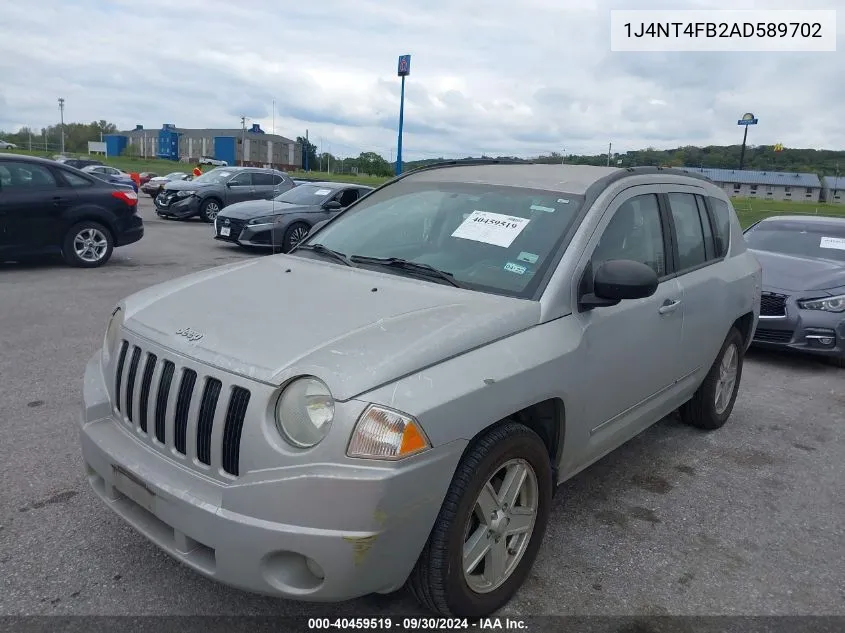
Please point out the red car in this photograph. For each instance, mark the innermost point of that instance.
(146, 176)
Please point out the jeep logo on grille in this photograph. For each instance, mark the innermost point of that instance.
(189, 334)
(226, 222)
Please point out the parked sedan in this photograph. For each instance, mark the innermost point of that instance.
(803, 301)
(155, 185)
(145, 176)
(282, 222)
(206, 195)
(46, 207)
(7, 145)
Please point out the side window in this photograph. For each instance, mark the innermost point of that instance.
(708, 231)
(262, 179)
(277, 180)
(721, 226)
(635, 233)
(690, 235)
(27, 176)
(242, 180)
(348, 196)
(75, 180)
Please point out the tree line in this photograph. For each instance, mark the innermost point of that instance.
(758, 157)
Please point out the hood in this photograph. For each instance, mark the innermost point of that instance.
(321, 319)
(159, 180)
(257, 208)
(185, 185)
(798, 274)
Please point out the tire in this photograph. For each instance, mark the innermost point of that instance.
(438, 581)
(209, 209)
(701, 410)
(294, 235)
(87, 245)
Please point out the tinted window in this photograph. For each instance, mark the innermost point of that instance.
(495, 239)
(262, 179)
(26, 176)
(634, 233)
(348, 197)
(241, 180)
(688, 230)
(808, 239)
(74, 180)
(721, 225)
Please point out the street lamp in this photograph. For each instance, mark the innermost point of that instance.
(62, 118)
(404, 71)
(746, 120)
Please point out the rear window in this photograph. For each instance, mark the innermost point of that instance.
(721, 226)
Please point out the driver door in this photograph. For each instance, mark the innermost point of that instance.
(633, 349)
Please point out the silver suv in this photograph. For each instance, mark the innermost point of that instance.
(445, 352)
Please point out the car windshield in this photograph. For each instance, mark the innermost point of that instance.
(213, 176)
(500, 240)
(802, 239)
(305, 194)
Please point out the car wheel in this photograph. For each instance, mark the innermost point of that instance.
(711, 406)
(490, 526)
(209, 210)
(87, 245)
(294, 235)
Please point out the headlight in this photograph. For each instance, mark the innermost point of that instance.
(827, 304)
(382, 433)
(304, 412)
(267, 219)
(185, 194)
(112, 331)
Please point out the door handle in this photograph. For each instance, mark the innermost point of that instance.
(670, 305)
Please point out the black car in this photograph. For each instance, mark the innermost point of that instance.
(78, 163)
(206, 195)
(282, 222)
(47, 207)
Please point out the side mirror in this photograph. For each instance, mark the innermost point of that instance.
(333, 205)
(620, 279)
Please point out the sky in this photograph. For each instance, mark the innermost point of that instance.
(487, 76)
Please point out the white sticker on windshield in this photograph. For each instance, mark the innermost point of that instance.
(491, 228)
(531, 258)
(322, 192)
(515, 268)
(537, 207)
(563, 200)
(833, 242)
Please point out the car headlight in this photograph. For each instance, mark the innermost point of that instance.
(185, 194)
(304, 412)
(267, 219)
(112, 332)
(827, 304)
(383, 433)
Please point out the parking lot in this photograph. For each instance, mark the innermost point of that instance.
(748, 520)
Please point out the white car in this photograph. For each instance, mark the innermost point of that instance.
(105, 169)
(7, 145)
(207, 160)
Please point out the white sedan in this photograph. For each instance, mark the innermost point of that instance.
(7, 145)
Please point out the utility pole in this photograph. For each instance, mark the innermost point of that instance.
(307, 150)
(30, 138)
(62, 119)
(243, 140)
(609, 146)
(274, 117)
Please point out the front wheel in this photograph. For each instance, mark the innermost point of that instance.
(711, 406)
(490, 526)
(294, 235)
(209, 210)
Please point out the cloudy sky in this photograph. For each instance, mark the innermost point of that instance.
(487, 76)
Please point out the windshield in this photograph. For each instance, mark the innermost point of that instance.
(494, 239)
(305, 194)
(213, 176)
(826, 241)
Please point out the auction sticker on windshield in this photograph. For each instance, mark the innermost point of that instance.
(322, 192)
(833, 242)
(491, 228)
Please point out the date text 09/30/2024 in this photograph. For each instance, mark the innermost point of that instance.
(416, 624)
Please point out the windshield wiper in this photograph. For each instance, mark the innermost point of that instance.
(396, 262)
(323, 250)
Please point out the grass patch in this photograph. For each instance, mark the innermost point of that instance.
(751, 210)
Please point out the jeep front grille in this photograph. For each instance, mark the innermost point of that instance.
(196, 416)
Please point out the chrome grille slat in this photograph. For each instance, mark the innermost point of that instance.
(183, 412)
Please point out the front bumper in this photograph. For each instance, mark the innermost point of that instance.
(359, 525)
(803, 331)
(258, 235)
(179, 207)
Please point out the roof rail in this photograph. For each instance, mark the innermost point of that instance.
(460, 162)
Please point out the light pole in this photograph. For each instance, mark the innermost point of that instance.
(62, 119)
(243, 140)
(746, 120)
(404, 71)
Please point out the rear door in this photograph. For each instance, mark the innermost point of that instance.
(699, 262)
(32, 201)
(264, 184)
(240, 188)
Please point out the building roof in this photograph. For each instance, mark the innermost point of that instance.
(748, 177)
(834, 182)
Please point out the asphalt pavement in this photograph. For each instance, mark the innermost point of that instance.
(748, 520)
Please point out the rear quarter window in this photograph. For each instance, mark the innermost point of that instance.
(721, 226)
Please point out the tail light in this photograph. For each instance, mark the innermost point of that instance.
(129, 197)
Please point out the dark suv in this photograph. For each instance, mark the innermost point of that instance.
(46, 207)
(206, 195)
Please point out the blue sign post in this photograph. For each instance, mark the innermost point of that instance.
(746, 120)
(403, 71)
